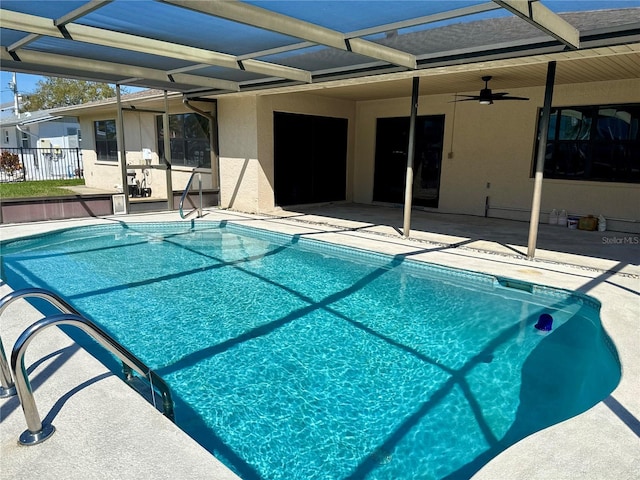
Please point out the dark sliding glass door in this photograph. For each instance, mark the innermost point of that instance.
(392, 141)
(310, 158)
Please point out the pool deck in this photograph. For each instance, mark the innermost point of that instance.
(106, 430)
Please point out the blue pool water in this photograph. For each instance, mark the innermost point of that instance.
(293, 359)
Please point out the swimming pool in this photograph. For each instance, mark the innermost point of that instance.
(291, 358)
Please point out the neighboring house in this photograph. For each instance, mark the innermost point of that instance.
(347, 141)
(39, 130)
(48, 145)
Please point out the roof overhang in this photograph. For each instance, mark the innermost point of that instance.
(27, 120)
(49, 118)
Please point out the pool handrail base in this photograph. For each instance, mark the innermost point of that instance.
(37, 432)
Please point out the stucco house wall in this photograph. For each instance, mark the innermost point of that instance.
(247, 144)
(239, 163)
(139, 133)
(489, 151)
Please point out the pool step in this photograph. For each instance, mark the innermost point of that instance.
(145, 391)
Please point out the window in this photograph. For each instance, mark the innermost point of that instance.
(6, 136)
(106, 143)
(72, 137)
(597, 143)
(189, 140)
(24, 138)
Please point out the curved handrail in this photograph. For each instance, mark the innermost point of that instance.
(7, 387)
(186, 192)
(37, 432)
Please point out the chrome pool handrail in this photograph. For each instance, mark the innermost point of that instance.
(186, 192)
(37, 432)
(7, 387)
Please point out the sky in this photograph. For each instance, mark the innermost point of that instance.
(27, 83)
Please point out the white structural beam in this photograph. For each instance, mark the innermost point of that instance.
(438, 17)
(61, 22)
(262, 18)
(80, 12)
(98, 36)
(425, 20)
(90, 66)
(23, 42)
(535, 13)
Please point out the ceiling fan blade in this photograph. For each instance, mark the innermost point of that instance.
(510, 98)
(503, 96)
(470, 98)
(486, 96)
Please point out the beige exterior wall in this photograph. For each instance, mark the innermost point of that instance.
(239, 169)
(140, 132)
(489, 150)
(246, 144)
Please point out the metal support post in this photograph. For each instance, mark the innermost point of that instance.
(122, 150)
(542, 150)
(166, 137)
(408, 189)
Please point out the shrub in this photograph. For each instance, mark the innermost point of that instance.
(10, 162)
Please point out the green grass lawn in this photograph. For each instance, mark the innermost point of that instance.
(41, 188)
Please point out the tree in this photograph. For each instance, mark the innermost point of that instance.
(53, 92)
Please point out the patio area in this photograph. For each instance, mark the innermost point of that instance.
(608, 251)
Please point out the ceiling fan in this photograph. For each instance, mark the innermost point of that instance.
(486, 97)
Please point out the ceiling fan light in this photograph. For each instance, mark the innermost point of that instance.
(485, 96)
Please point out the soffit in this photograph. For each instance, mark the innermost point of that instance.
(595, 65)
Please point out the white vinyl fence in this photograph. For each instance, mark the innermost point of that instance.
(45, 164)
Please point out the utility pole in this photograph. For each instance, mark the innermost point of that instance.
(13, 86)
